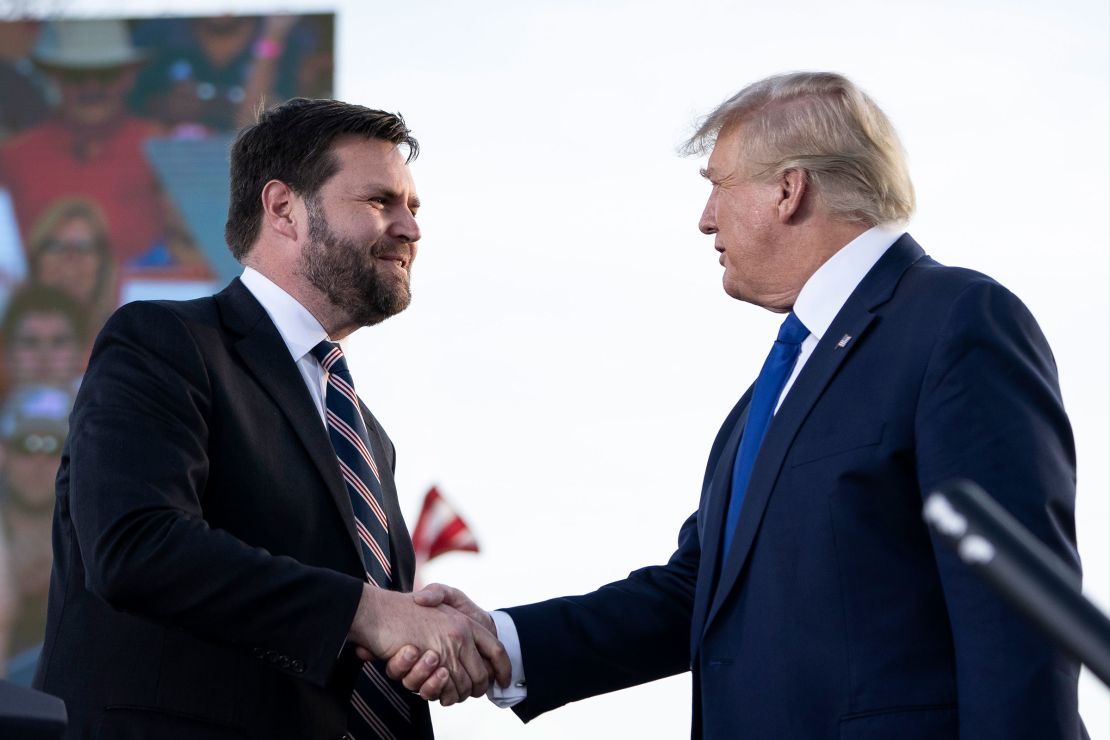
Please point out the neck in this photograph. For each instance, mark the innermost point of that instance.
(335, 321)
(823, 241)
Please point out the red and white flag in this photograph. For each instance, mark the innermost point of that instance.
(440, 529)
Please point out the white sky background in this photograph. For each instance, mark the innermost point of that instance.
(569, 353)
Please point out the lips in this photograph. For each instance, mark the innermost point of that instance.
(402, 256)
(399, 260)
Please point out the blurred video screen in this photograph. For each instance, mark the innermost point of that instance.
(114, 136)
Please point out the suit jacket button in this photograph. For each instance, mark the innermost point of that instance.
(259, 653)
(297, 666)
(272, 656)
(283, 661)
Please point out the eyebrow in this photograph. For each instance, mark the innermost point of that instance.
(706, 173)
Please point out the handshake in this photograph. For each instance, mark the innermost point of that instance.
(437, 641)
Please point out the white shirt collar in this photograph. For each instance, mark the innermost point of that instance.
(299, 328)
(827, 290)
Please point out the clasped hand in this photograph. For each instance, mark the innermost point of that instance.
(437, 642)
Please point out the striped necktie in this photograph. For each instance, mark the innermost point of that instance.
(378, 705)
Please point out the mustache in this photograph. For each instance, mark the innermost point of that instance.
(402, 251)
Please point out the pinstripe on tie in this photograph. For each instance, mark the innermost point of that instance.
(378, 705)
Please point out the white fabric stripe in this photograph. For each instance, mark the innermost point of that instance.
(367, 495)
(388, 690)
(345, 429)
(372, 719)
(369, 457)
(342, 386)
(331, 357)
(374, 547)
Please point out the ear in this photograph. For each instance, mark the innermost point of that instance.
(793, 186)
(279, 211)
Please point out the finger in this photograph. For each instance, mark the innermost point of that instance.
(441, 593)
(421, 671)
(494, 652)
(461, 679)
(449, 695)
(435, 686)
(430, 595)
(451, 595)
(461, 683)
(401, 662)
(364, 654)
(475, 668)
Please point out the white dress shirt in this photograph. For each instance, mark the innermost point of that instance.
(299, 328)
(818, 303)
(827, 290)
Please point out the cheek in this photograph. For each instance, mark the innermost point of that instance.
(62, 355)
(49, 266)
(20, 359)
(87, 266)
(734, 216)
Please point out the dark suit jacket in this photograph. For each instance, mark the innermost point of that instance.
(835, 616)
(206, 566)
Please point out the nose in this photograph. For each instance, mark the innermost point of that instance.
(405, 228)
(708, 222)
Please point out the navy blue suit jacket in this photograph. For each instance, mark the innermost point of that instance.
(835, 616)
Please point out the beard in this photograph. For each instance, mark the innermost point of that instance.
(344, 270)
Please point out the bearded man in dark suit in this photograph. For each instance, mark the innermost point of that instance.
(228, 544)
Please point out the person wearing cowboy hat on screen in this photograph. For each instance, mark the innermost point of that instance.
(91, 147)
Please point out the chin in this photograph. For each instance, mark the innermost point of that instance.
(734, 291)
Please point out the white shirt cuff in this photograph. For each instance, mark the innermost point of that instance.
(518, 688)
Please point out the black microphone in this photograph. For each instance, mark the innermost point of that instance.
(990, 541)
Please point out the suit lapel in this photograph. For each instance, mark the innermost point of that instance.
(711, 516)
(265, 354)
(402, 557)
(852, 321)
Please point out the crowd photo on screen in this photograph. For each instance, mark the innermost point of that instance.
(113, 140)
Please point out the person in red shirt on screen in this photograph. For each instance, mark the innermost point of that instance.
(91, 147)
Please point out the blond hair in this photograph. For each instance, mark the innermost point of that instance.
(821, 123)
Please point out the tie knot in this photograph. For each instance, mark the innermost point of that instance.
(792, 331)
(330, 356)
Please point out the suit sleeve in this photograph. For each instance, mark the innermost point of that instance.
(625, 633)
(138, 457)
(991, 411)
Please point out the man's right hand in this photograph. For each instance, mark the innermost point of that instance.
(422, 675)
(387, 621)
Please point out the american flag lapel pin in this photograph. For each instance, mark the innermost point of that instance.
(844, 341)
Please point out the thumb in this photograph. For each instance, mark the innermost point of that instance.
(431, 595)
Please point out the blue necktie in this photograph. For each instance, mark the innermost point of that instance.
(378, 706)
(768, 386)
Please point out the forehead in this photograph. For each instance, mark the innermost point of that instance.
(362, 162)
(725, 157)
(75, 222)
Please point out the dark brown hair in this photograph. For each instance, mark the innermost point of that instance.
(292, 143)
(39, 299)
